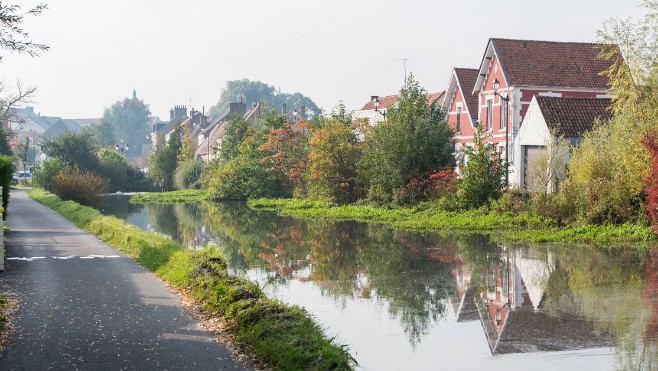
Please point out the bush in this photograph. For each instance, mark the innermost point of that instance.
(79, 186)
(6, 173)
(114, 167)
(243, 178)
(514, 201)
(431, 186)
(187, 173)
(138, 181)
(43, 176)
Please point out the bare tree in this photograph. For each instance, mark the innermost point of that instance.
(12, 36)
(545, 171)
(11, 100)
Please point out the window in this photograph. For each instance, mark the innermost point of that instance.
(489, 114)
(458, 127)
(503, 115)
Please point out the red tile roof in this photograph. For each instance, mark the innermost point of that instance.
(572, 117)
(466, 78)
(550, 63)
(433, 97)
(384, 102)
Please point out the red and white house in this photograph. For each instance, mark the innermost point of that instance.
(522, 69)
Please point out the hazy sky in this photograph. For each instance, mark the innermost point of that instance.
(174, 51)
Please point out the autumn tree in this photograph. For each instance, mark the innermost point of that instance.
(413, 140)
(333, 159)
(607, 170)
(285, 153)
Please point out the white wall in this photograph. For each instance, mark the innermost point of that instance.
(533, 132)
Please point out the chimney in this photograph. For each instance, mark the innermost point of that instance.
(302, 112)
(237, 108)
(284, 109)
(171, 114)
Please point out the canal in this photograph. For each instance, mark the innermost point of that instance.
(405, 300)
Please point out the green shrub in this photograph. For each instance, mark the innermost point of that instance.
(79, 186)
(43, 176)
(187, 173)
(6, 173)
(513, 201)
(114, 167)
(243, 178)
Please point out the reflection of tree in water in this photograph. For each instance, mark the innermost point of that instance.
(403, 274)
(607, 287)
(119, 206)
(252, 239)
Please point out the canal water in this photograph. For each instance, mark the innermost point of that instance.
(404, 300)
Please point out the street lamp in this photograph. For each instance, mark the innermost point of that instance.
(375, 101)
(496, 85)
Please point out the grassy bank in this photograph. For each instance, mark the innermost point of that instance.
(188, 195)
(286, 337)
(508, 226)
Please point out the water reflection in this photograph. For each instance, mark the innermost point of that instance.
(523, 300)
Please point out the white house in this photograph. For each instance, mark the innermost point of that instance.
(568, 118)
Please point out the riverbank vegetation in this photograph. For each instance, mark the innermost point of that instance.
(286, 337)
(187, 195)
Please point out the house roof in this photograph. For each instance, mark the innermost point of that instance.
(547, 63)
(466, 78)
(27, 113)
(216, 131)
(88, 122)
(571, 117)
(384, 102)
(389, 100)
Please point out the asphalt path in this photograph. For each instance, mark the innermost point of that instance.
(83, 305)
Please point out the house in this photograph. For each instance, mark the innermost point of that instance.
(61, 126)
(461, 108)
(512, 72)
(211, 138)
(546, 117)
(375, 110)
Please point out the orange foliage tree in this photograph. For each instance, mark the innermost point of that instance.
(285, 154)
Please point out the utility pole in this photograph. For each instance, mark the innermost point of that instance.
(404, 64)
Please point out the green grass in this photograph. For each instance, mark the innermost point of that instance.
(286, 337)
(187, 195)
(512, 227)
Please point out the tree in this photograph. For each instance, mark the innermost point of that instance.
(11, 100)
(162, 166)
(114, 167)
(12, 37)
(23, 152)
(256, 91)
(546, 171)
(130, 119)
(74, 150)
(607, 170)
(285, 153)
(235, 132)
(413, 140)
(105, 134)
(484, 174)
(333, 159)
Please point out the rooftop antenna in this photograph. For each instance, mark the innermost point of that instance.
(404, 64)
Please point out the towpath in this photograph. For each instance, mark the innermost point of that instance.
(83, 305)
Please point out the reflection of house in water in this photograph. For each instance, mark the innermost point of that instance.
(511, 307)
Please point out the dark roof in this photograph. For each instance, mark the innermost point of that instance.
(551, 63)
(466, 78)
(571, 117)
(527, 331)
